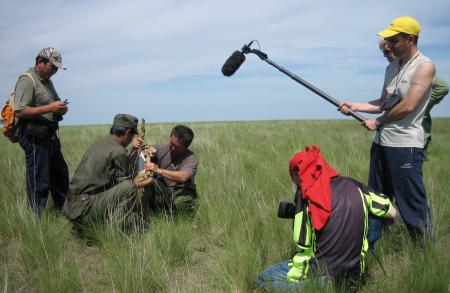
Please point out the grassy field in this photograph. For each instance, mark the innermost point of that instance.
(241, 178)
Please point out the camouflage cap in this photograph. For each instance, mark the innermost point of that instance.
(126, 120)
(53, 55)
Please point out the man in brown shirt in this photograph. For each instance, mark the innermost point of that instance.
(174, 168)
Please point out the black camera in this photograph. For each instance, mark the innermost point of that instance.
(286, 210)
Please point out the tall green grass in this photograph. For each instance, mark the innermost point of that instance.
(241, 178)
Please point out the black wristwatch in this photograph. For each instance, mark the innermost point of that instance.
(378, 123)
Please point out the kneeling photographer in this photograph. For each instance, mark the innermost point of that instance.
(330, 214)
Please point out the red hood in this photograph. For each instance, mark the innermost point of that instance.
(315, 175)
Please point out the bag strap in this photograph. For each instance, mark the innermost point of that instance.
(11, 97)
(51, 91)
(32, 79)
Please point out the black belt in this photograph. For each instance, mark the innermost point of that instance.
(39, 129)
(77, 197)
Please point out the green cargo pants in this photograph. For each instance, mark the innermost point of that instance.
(115, 204)
(162, 198)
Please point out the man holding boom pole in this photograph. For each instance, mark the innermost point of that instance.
(396, 156)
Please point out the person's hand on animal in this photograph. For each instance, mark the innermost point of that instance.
(152, 167)
(137, 142)
(142, 183)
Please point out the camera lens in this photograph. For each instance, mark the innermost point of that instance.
(286, 210)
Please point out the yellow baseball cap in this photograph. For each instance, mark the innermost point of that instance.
(404, 24)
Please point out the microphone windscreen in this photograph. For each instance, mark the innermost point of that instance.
(233, 63)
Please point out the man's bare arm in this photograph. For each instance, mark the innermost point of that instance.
(372, 107)
(420, 83)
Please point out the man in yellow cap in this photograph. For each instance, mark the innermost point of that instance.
(396, 156)
(439, 89)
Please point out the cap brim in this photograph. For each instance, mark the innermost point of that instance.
(59, 65)
(387, 33)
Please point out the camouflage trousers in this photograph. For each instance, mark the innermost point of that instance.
(162, 198)
(117, 204)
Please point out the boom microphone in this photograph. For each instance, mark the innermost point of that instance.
(237, 58)
(233, 63)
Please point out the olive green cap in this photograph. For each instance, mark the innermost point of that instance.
(126, 120)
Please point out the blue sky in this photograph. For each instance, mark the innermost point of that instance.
(161, 60)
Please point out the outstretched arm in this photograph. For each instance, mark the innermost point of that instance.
(372, 107)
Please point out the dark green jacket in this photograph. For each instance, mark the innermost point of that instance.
(439, 90)
(105, 164)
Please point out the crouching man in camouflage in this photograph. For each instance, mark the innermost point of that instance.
(103, 185)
